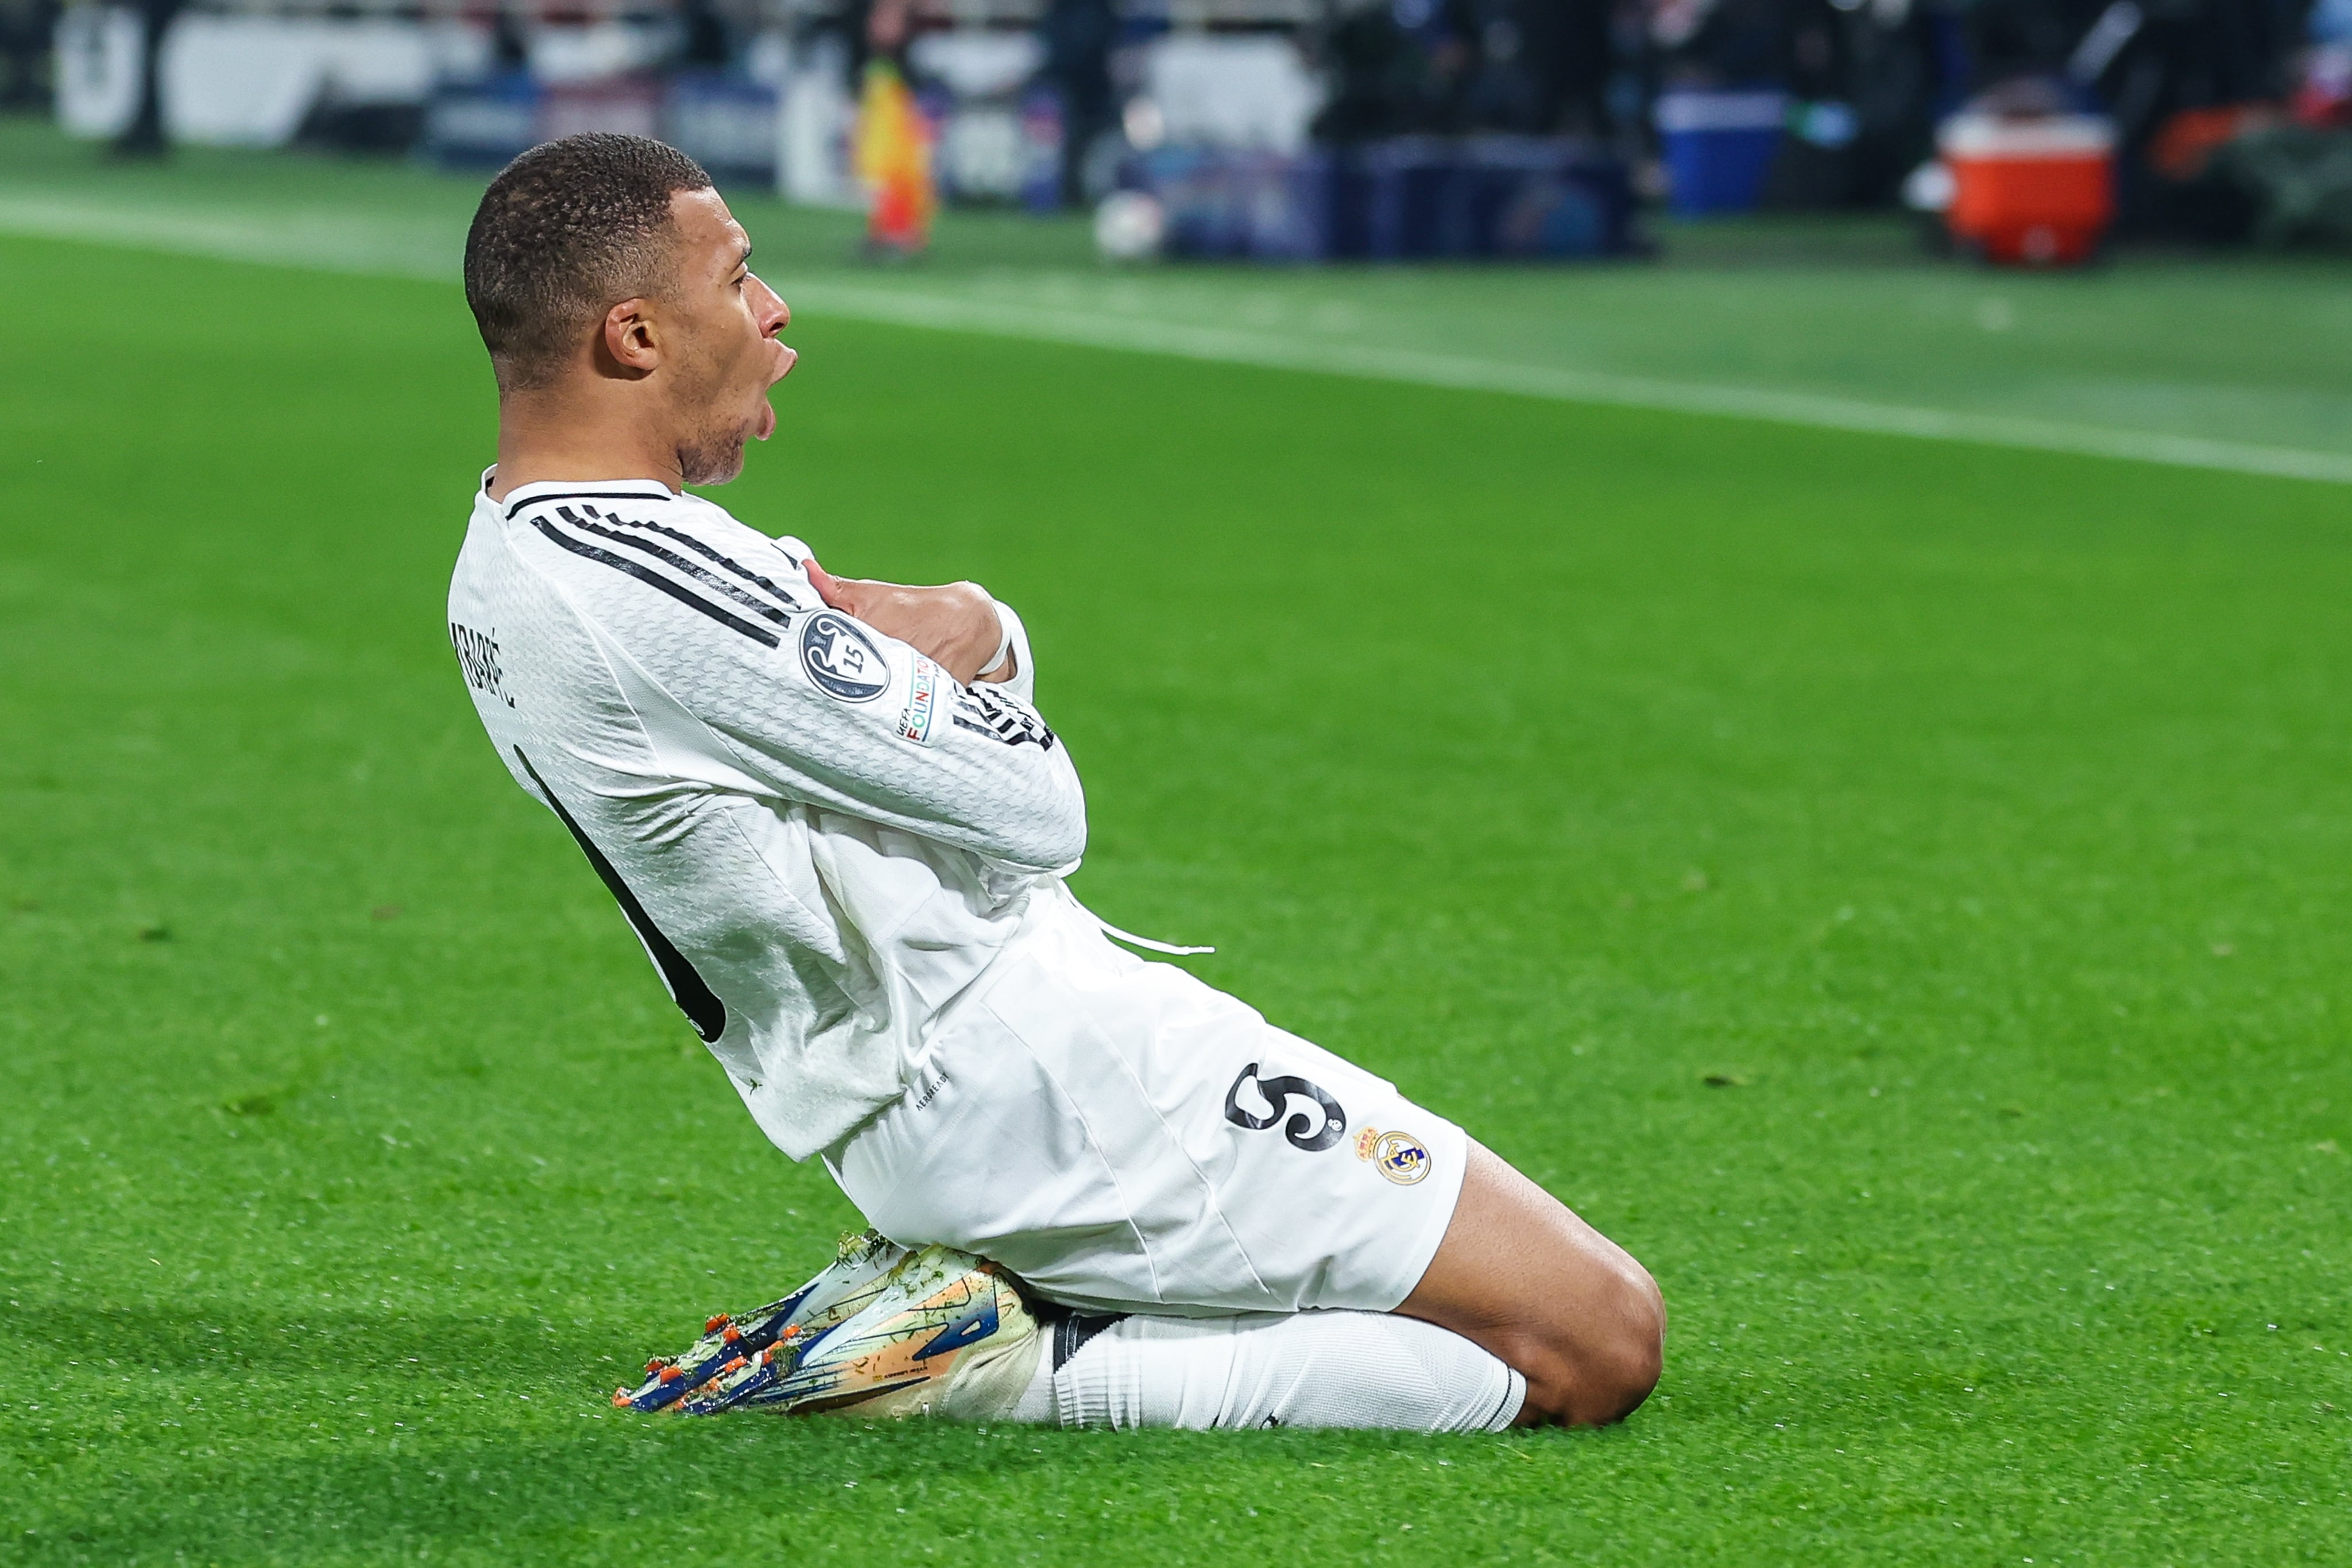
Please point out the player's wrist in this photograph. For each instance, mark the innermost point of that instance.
(996, 665)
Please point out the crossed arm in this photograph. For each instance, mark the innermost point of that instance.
(955, 625)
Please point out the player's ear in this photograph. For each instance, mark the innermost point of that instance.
(631, 342)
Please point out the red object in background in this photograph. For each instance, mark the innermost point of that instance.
(2036, 191)
(2188, 141)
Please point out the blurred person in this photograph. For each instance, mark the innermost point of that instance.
(1377, 76)
(1721, 43)
(891, 149)
(1570, 50)
(1894, 82)
(840, 825)
(2015, 39)
(1536, 67)
(27, 45)
(1499, 91)
(705, 41)
(1077, 36)
(144, 136)
(509, 44)
(1395, 68)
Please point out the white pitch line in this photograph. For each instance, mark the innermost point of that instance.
(362, 243)
(1226, 345)
(313, 242)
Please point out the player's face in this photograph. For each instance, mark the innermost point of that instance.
(727, 353)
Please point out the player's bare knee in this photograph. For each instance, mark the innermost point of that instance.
(1636, 1357)
(1602, 1367)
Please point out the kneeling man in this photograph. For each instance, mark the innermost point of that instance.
(1111, 1194)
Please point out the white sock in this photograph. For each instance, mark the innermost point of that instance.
(1273, 1369)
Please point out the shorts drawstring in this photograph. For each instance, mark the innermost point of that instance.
(1130, 938)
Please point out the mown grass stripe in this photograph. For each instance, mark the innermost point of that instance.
(1241, 347)
(361, 243)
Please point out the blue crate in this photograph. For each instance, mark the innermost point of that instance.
(1719, 145)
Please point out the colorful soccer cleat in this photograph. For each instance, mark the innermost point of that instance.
(947, 1335)
(854, 1278)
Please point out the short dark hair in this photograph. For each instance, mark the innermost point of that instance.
(564, 233)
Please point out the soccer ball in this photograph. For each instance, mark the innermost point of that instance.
(1129, 225)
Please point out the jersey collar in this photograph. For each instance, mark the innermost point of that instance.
(522, 495)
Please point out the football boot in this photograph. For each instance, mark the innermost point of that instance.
(948, 1336)
(853, 1280)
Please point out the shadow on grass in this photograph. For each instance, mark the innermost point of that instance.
(135, 1472)
(750, 1486)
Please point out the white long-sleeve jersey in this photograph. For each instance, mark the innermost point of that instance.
(820, 836)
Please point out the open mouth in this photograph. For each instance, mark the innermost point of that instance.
(765, 425)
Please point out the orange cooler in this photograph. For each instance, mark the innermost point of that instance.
(2037, 190)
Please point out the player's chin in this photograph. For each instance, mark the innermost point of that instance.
(714, 463)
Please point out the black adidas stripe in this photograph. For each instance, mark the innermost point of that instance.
(1001, 719)
(670, 586)
(757, 606)
(706, 551)
(1017, 738)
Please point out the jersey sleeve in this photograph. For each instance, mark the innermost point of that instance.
(809, 703)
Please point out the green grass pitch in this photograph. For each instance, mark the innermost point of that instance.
(1901, 890)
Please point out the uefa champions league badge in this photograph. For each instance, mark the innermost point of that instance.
(840, 659)
(1399, 1156)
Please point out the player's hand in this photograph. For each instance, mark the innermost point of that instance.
(955, 625)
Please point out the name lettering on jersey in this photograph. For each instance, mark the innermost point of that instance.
(915, 720)
(478, 655)
(841, 660)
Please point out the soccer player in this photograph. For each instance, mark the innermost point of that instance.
(838, 821)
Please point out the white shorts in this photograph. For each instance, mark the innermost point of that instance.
(1126, 1139)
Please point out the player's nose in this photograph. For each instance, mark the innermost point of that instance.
(773, 313)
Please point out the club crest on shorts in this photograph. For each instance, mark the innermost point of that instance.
(1399, 1156)
(841, 660)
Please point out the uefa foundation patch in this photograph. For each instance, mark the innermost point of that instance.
(923, 703)
(1399, 1156)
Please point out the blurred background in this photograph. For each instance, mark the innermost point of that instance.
(2023, 132)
